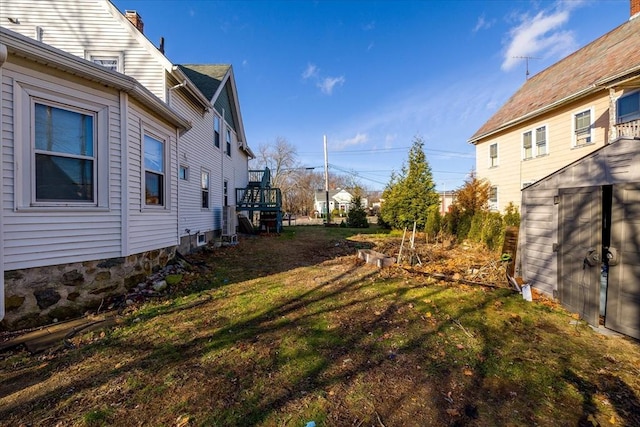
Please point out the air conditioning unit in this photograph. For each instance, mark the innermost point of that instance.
(228, 221)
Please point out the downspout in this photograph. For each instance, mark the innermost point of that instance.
(3, 58)
(124, 191)
(169, 99)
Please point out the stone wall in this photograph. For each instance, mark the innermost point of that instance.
(41, 295)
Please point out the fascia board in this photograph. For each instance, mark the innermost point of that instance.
(591, 89)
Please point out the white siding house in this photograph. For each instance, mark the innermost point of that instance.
(96, 30)
(72, 165)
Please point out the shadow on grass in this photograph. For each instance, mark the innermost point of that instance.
(356, 346)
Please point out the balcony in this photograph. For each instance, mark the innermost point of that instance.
(628, 129)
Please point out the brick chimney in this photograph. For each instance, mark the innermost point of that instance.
(135, 19)
(635, 7)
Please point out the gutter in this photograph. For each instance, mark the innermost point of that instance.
(604, 83)
(3, 57)
(190, 87)
(591, 89)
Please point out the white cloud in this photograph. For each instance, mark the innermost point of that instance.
(310, 71)
(483, 24)
(541, 36)
(359, 139)
(327, 84)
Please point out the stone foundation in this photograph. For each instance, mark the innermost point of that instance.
(41, 295)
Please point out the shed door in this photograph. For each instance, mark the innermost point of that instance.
(623, 294)
(580, 237)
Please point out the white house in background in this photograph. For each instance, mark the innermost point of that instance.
(339, 199)
(213, 154)
(89, 180)
(447, 197)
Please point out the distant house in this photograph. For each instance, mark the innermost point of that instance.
(447, 198)
(339, 199)
(78, 141)
(570, 109)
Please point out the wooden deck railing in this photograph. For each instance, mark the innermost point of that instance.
(631, 128)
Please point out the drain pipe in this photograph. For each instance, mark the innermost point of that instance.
(3, 58)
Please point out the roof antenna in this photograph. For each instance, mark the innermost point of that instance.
(526, 58)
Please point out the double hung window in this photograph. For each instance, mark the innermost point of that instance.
(64, 154)
(154, 171)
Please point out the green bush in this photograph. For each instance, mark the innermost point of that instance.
(511, 215)
(434, 222)
(493, 230)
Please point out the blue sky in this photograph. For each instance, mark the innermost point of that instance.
(371, 75)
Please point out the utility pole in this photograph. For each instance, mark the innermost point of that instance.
(326, 177)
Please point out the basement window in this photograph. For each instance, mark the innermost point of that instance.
(202, 239)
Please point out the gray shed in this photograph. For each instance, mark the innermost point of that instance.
(580, 236)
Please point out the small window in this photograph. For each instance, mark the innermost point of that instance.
(202, 239)
(493, 155)
(629, 107)
(154, 168)
(64, 155)
(183, 173)
(225, 192)
(527, 145)
(228, 143)
(541, 141)
(216, 131)
(205, 189)
(110, 60)
(582, 126)
(493, 198)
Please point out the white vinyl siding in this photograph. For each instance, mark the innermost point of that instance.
(48, 235)
(198, 150)
(80, 27)
(150, 227)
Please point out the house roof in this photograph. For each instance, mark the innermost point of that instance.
(610, 57)
(207, 78)
(20, 45)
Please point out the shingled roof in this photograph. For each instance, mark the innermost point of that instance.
(207, 78)
(611, 56)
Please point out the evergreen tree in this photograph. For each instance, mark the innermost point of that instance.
(409, 195)
(357, 216)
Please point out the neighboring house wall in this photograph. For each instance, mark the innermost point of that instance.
(72, 236)
(571, 106)
(517, 166)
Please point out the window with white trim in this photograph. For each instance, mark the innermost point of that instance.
(628, 107)
(527, 145)
(493, 155)
(493, 198)
(534, 143)
(216, 131)
(64, 148)
(225, 193)
(204, 187)
(64, 154)
(582, 128)
(228, 151)
(154, 170)
(183, 173)
(110, 60)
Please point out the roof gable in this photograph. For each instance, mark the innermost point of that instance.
(584, 71)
